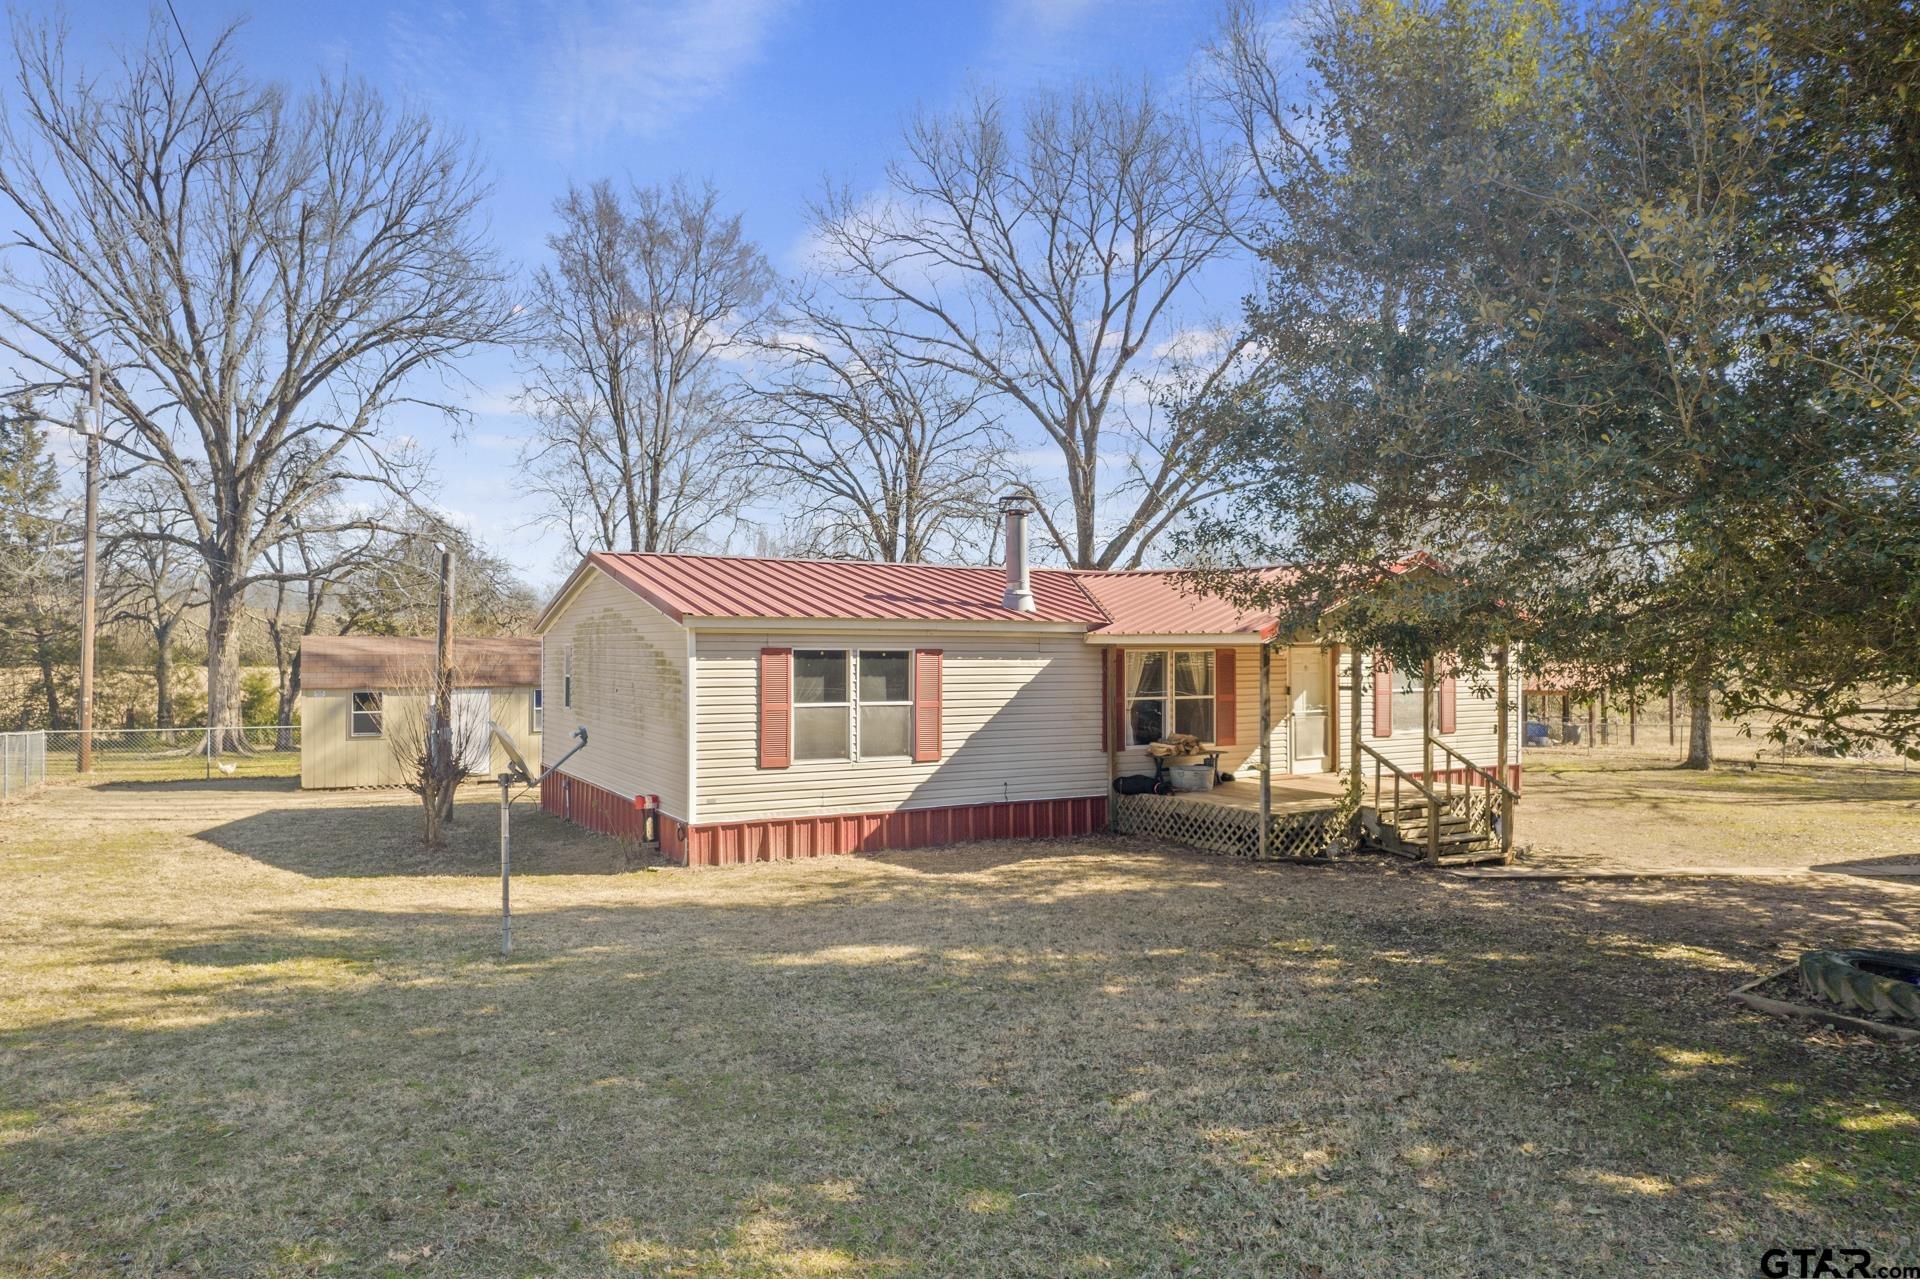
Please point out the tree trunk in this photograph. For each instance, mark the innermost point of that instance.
(1700, 725)
(223, 663)
(43, 652)
(163, 676)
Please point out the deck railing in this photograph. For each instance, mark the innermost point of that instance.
(1403, 784)
(1484, 795)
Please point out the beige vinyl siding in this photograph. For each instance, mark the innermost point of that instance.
(1020, 719)
(1476, 719)
(1244, 757)
(332, 759)
(629, 693)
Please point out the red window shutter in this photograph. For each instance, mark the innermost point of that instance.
(1106, 699)
(1448, 704)
(926, 705)
(1116, 711)
(776, 707)
(1226, 697)
(1382, 696)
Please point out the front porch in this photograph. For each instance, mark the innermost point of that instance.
(1226, 819)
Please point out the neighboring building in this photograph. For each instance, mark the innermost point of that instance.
(353, 686)
(765, 708)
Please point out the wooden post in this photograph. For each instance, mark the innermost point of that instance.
(1673, 718)
(1502, 705)
(1266, 744)
(1592, 722)
(1353, 714)
(1633, 718)
(442, 747)
(89, 573)
(1426, 761)
(1605, 717)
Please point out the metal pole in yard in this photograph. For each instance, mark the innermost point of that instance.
(506, 863)
(208, 752)
(1673, 718)
(89, 576)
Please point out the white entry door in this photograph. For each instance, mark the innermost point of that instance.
(1307, 670)
(472, 718)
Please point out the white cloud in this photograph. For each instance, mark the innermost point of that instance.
(572, 75)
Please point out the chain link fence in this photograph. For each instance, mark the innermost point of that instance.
(176, 754)
(23, 764)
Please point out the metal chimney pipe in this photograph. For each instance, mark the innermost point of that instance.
(1019, 593)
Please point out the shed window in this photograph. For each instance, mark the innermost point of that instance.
(1169, 692)
(539, 713)
(566, 676)
(822, 709)
(886, 704)
(364, 719)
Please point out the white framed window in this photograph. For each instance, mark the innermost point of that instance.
(539, 713)
(886, 704)
(1169, 691)
(566, 676)
(822, 704)
(1409, 696)
(363, 719)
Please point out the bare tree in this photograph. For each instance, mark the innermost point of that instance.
(889, 456)
(1045, 259)
(637, 440)
(428, 769)
(262, 277)
(150, 578)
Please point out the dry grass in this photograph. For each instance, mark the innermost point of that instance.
(1626, 808)
(247, 1032)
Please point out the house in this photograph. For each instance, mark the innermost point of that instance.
(762, 708)
(353, 687)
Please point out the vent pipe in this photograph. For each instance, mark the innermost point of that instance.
(1019, 593)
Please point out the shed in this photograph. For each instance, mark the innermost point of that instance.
(353, 686)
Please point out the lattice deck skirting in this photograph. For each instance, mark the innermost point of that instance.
(1221, 829)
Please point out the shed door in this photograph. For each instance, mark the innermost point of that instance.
(472, 716)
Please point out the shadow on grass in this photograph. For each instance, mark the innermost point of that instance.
(1034, 1059)
(384, 839)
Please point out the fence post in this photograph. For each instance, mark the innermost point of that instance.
(207, 751)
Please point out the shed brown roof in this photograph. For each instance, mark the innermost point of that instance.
(396, 661)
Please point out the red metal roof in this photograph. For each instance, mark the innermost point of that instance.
(1129, 602)
(1167, 602)
(730, 586)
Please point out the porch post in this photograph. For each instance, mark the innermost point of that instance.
(1426, 761)
(1353, 712)
(1503, 707)
(1266, 743)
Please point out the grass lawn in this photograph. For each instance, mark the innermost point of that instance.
(1617, 807)
(249, 1032)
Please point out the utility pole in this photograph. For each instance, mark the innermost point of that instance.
(89, 574)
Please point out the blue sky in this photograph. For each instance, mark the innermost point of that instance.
(768, 98)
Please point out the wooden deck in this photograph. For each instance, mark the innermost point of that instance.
(1226, 819)
(1292, 793)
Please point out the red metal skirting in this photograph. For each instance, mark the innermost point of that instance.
(1460, 776)
(783, 838)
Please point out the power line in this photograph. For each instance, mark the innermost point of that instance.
(186, 45)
